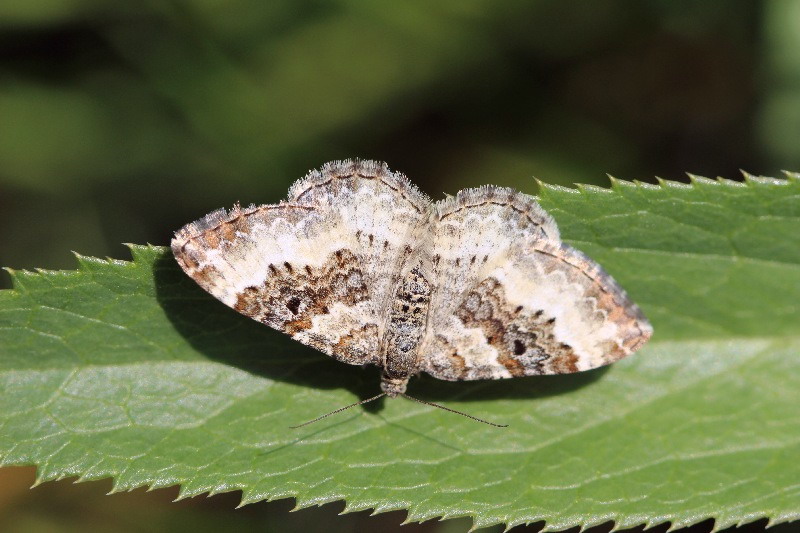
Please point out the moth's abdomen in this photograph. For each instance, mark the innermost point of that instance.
(406, 325)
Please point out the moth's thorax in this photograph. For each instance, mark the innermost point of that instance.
(405, 327)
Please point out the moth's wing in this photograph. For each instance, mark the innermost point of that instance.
(512, 300)
(319, 266)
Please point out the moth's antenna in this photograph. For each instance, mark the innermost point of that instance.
(339, 410)
(475, 418)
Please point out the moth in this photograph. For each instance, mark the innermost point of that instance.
(359, 264)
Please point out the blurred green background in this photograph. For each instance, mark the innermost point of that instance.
(120, 122)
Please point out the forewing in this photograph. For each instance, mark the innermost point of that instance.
(319, 266)
(512, 300)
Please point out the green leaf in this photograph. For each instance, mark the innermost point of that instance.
(128, 370)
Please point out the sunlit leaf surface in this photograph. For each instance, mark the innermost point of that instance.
(128, 370)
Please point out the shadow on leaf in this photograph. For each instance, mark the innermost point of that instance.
(221, 334)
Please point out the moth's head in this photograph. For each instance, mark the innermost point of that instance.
(393, 387)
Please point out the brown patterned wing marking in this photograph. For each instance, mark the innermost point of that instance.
(523, 338)
(320, 267)
(523, 306)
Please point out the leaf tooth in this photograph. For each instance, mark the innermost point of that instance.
(729, 182)
(746, 175)
(377, 509)
(87, 262)
(755, 180)
(243, 502)
(39, 479)
(159, 483)
(38, 271)
(512, 523)
(145, 253)
(587, 188)
(700, 181)
(115, 487)
(350, 507)
(137, 250)
(645, 524)
(547, 187)
(219, 489)
(672, 525)
(83, 478)
(252, 496)
(305, 503)
(672, 184)
(741, 522)
(549, 525)
(47, 472)
(791, 176)
(415, 516)
(409, 519)
(760, 181)
(186, 491)
(475, 522)
(298, 506)
(430, 514)
(14, 274)
(647, 185)
(591, 522)
(618, 184)
(479, 521)
(773, 520)
(475, 526)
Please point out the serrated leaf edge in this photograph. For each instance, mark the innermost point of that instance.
(138, 253)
